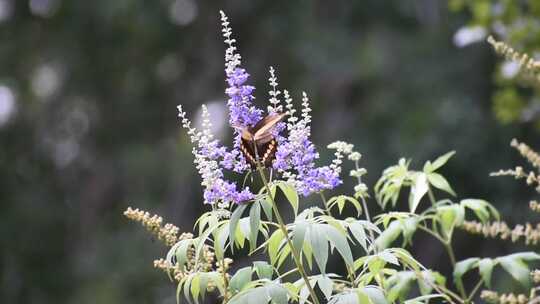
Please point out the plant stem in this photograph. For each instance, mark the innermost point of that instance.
(225, 281)
(459, 282)
(364, 204)
(323, 198)
(438, 288)
(432, 234)
(283, 228)
(475, 289)
(431, 197)
(281, 276)
(450, 251)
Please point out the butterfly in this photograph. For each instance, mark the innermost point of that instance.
(258, 143)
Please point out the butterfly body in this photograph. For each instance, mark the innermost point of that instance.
(258, 143)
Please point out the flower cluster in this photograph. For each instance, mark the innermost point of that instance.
(295, 155)
(525, 61)
(528, 232)
(167, 233)
(527, 152)
(505, 298)
(208, 154)
(534, 206)
(242, 112)
(531, 178)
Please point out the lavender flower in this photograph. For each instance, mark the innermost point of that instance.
(242, 113)
(296, 155)
(208, 153)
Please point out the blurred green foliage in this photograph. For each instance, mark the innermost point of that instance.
(515, 99)
(92, 127)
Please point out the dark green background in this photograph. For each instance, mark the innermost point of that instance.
(383, 75)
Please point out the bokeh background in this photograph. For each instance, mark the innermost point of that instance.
(88, 122)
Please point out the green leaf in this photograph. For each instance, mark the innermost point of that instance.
(464, 266)
(339, 240)
(319, 244)
(406, 258)
(485, 267)
(440, 161)
(274, 244)
(514, 264)
(357, 230)
(299, 233)
(419, 188)
(263, 270)
(376, 295)
(425, 299)
(438, 181)
(254, 223)
(389, 235)
(283, 254)
(277, 294)
(388, 257)
(221, 241)
(240, 279)
(233, 223)
(195, 288)
(308, 253)
(326, 285)
(341, 200)
(449, 217)
(266, 205)
(290, 194)
(187, 288)
(481, 208)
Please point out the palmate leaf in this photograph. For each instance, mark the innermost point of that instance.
(317, 238)
(341, 200)
(388, 187)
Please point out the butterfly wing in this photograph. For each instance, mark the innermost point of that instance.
(247, 148)
(260, 136)
(262, 130)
